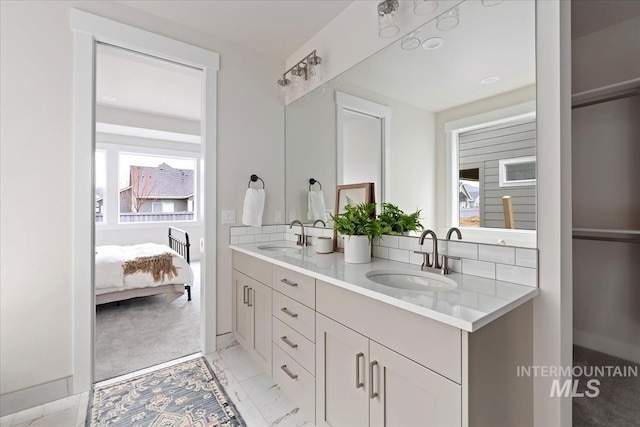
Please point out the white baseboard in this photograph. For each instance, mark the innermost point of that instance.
(607, 345)
(33, 396)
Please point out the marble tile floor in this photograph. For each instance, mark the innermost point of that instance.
(259, 400)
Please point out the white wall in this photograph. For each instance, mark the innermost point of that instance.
(36, 173)
(608, 56)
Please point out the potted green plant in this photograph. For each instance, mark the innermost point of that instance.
(359, 225)
(395, 221)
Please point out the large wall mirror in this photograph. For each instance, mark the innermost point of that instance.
(442, 120)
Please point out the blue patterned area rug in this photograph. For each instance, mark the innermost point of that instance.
(183, 395)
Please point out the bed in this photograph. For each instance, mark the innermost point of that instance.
(124, 272)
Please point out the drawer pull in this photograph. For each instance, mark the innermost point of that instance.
(287, 312)
(288, 372)
(244, 294)
(372, 394)
(289, 343)
(289, 282)
(249, 303)
(358, 382)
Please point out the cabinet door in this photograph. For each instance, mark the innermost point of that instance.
(260, 303)
(341, 377)
(408, 394)
(243, 313)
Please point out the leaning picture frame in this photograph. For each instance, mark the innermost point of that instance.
(351, 194)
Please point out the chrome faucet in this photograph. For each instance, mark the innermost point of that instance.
(324, 224)
(302, 238)
(434, 264)
(446, 258)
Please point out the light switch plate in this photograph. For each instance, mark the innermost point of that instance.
(229, 217)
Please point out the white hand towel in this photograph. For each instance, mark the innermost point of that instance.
(253, 207)
(316, 206)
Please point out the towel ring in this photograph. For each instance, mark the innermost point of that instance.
(313, 181)
(255, 178)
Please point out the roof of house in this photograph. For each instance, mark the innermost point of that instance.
(470, 191)
(167, 182)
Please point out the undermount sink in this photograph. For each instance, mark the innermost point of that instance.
(411, 280)
(277, 247)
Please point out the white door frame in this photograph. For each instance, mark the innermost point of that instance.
(89, 29)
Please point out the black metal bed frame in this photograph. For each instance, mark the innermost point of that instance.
(183, 248)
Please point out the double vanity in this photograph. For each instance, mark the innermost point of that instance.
(384, 343)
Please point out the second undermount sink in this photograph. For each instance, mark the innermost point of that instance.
(278, 247)
(411, 280)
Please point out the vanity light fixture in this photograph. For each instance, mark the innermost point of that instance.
(489, 80)
(491, 3)
(448, 20)
(424, 7)
(306, 70)
(432, 43)
(388, 22)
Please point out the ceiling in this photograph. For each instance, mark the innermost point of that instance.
(488, 41)
(134, 81)
(589, 16)
(274, 27)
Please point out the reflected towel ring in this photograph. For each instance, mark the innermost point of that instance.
(255, 178)
(313, 181)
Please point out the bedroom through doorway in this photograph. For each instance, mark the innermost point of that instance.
(149, 211)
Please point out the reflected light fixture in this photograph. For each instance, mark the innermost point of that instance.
(410, 42)
(388, 22)
(489, 80)
(432, 43)
(424, 7)
(448, 20)
(490, 3)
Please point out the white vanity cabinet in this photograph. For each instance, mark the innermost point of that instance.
(252, 305)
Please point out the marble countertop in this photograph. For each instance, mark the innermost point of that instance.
(475, 301)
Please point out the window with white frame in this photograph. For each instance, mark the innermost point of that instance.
(100, 185)
(517, 172)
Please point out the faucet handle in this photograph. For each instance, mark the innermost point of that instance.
(445, 263)
(425, 260)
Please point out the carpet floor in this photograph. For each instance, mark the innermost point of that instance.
(617, 405)
(185, 394)
(142, 332)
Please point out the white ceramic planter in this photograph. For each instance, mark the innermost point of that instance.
(357, 249)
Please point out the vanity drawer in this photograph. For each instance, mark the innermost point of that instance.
(295, 315)
(295, 345)
(295, 285)
(253, 267)
(430, 343)
(298, 384)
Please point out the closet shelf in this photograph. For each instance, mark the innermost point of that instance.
(607, 234)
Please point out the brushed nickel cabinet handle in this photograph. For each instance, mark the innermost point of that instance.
(289, 282)
(372, 394)
(244, 294)
(289, 343)
(288, 372)
(358, 382)
(249, 303)
(287, 312)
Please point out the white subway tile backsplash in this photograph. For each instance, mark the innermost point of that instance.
(455, 265)
(527, 257)
(398, 255)
(315, 232)
(427, 246)
(281, 228)
(408, 243)
(254, 230)
(246, 239)
(234, 240)
(327, 232)
(380, 252)
(276, 236)
(268, 229)
(415, 258)
(461, 249)
(238, 231)
(515, 274)
(479, 268)
(500, 254)
(261, 238)
(389, 241)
